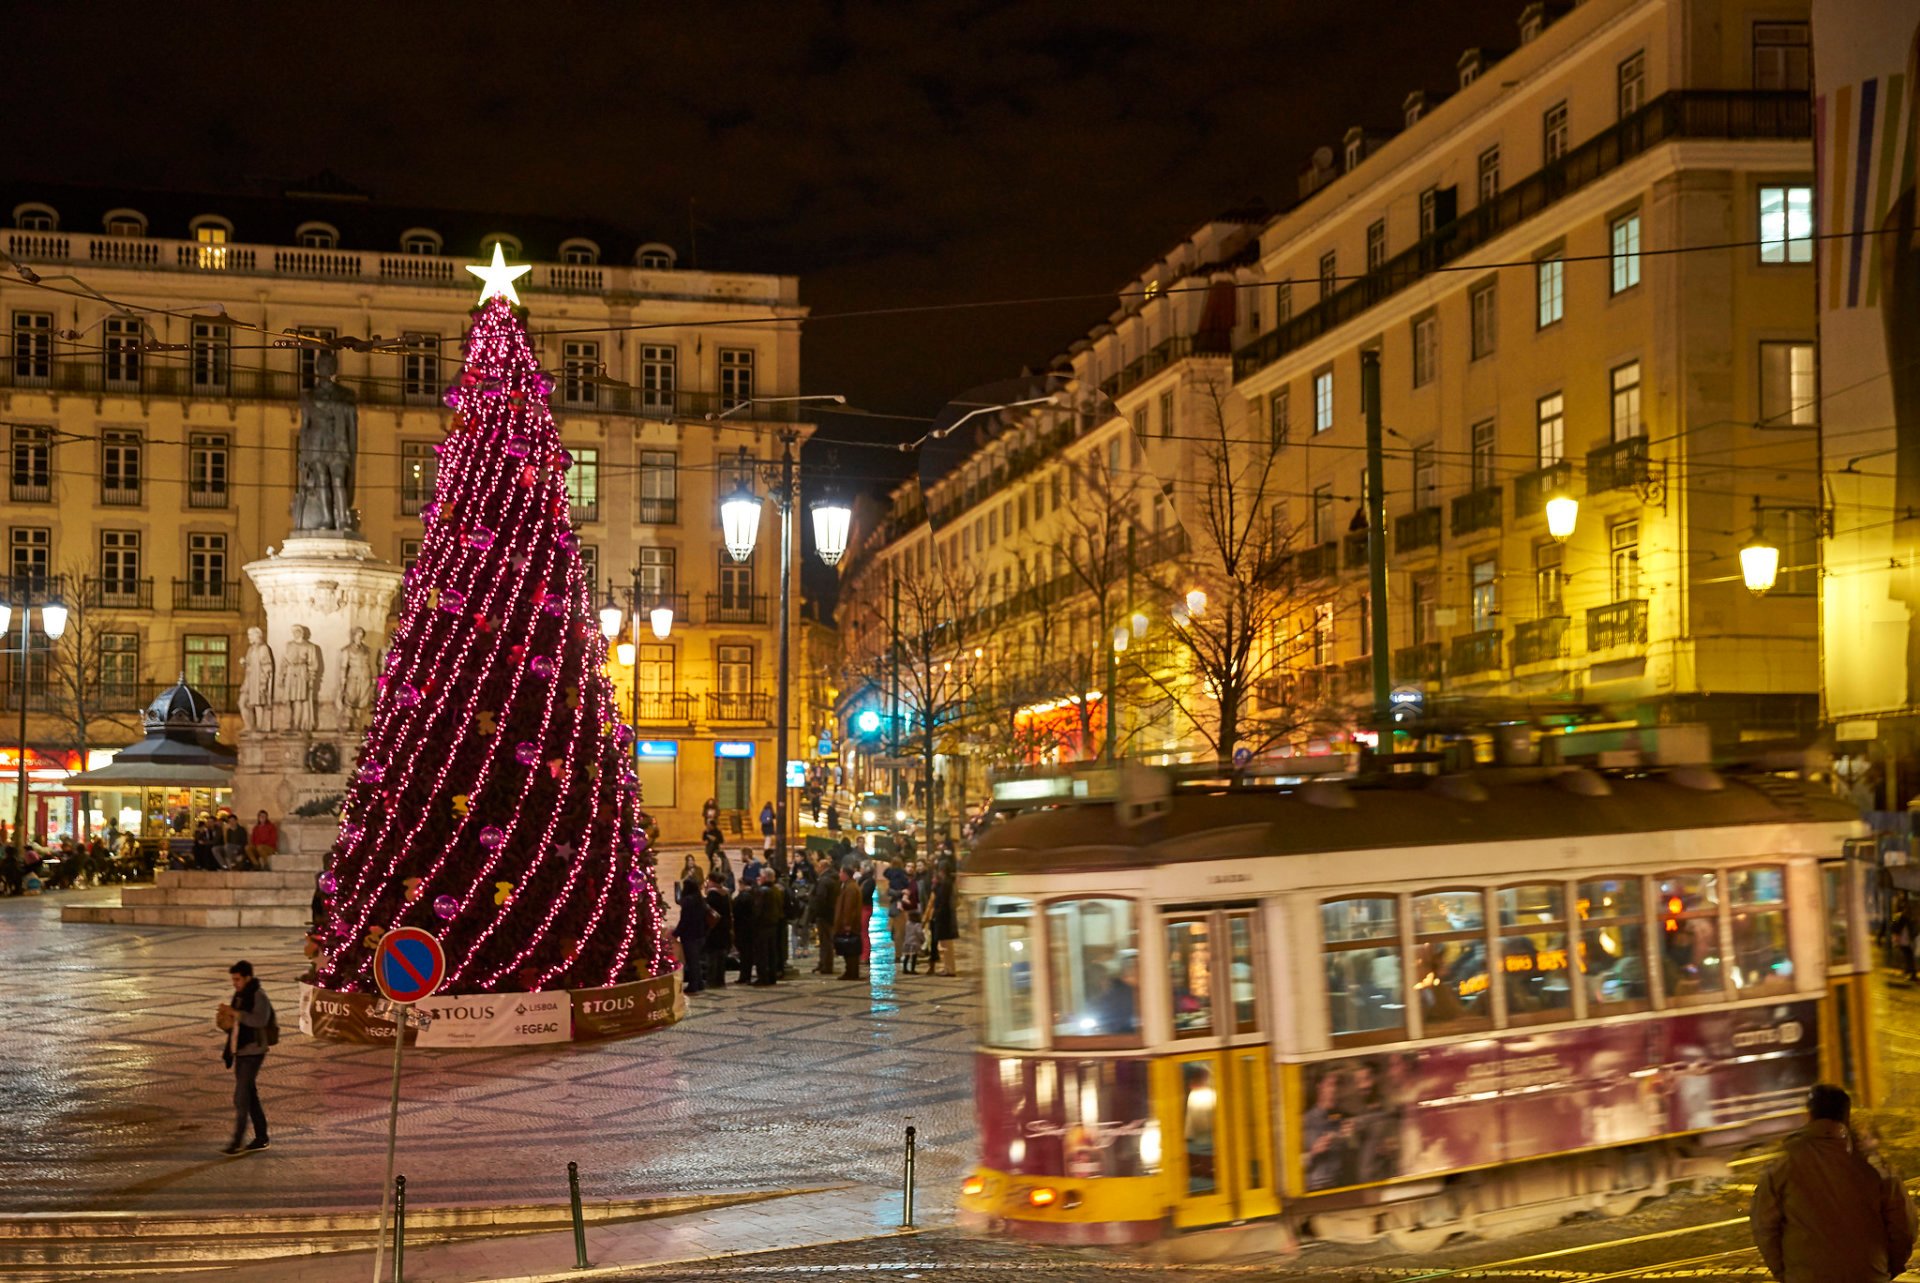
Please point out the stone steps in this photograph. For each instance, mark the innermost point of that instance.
(280, 896)
(282, 880)
(205, 917)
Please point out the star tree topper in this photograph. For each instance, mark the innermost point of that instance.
(497, 279)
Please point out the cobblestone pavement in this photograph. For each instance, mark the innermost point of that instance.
(113, 1097)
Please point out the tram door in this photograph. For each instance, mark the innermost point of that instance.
(1215, 1089)
(1848, 1055)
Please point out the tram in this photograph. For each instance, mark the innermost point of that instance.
(1403, 1006)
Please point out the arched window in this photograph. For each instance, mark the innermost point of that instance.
(655, 257)
(317, 236)
(125, 222)
(579, 250)
(509, 244)
(35, 217)
(420, 240)
(212, 232)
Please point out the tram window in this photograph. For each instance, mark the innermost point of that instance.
(1533, 952)
(1839, 914)
(1690, 935)
(1762, 958)
(1450, 961)
(1366, 1000)
(1007, 949)
(1246, 1009)
(1613, 945)
(1095, 969)
(1190, 976)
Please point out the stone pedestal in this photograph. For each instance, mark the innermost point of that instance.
(328, 584)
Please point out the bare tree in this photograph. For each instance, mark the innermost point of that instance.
(91, 676)
(940, 627)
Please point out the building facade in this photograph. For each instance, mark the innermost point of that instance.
(152, 444)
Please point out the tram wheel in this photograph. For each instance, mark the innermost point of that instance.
(1417, 1240)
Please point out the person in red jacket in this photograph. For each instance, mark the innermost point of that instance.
(263, 843)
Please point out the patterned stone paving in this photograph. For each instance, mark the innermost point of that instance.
(113, 1097)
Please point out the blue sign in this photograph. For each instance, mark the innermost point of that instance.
(656, 748)
(1241, 756)
(826, 744)
(796, 773)
(867, 723)
(733, 748)
(1408, 702)
(408, 964)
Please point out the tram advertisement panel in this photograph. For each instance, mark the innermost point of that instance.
(1400, 1114)
(1079, 1118)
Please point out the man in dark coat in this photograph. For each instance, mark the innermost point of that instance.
(245, 1018)
(691, 931)
(719, 932)
(849, 915)
(771, 903)
(746, 927)
(1824, 1213)
(826, 892)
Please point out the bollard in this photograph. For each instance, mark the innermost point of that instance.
(579, 1224)
(399, 1229)
(906, 1201)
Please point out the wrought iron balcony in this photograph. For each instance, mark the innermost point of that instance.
(118, 594)
(736, 608)
(1620, 623)
(1539, 640)
(662, 708)
(1419, 662)
(1617, 465)
(1417, 529)
(1476, 510)
(1476, 653)
(1317, 562)
(1356, 678)
(1353, 550)
(31, 488)
(738, 706)
(1531, 490)
(119, 496)
(583, 510)
(211, 497)
(206, 594)
(658, 512)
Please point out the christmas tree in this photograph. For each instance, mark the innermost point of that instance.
(494, 801)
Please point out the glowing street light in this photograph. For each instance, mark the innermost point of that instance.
(1759, 565)
(624, 652)
(1563, 512)
(832, 520)
(610, 619)
(740, 520)
(660, 619)
(1196, 602)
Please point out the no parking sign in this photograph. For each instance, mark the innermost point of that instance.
(409, 965)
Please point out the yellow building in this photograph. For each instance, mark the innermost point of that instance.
(151, 443)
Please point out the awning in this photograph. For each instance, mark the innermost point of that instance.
(133, 775)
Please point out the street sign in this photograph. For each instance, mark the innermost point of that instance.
(796, 773)
(1242, 755)
(408, 965)
(825, 748)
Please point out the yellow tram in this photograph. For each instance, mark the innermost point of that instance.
(1404, 1006)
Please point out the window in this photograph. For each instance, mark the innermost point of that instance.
(1786, 224)
(1534, 956)
(579, 252)
(733, 666)
(409, 553)
(659, 487)
(120, 352)
(1322, 514)
(206, 564)
(1426, 349)
(1549, 579)
(1423, 596)
(1489, 171)
(1550, 435)
(657, 376)
(1008, 952)
(1782, 56)
(1481, 458)
(736, 584)
(204, 661)
(1550, 279)
(126, 222)
(1139, 425)
(1166, 414)
(1425, 477)
(1623, 240)
(1429, 211)
(316, 236)
(1483, 584)
(1094, 963)
(419, 469)
(1191, 970)
(120, 666)
(36, 218)
(119, 565)
(1787, 398)
(583, 485)
(207, 470)
(1553, 133)
(1323, 400)
(1623, 544)
(420, 367)
(32, 347)
(1450, 962)
(1323, 626)
(655, 260)
(30, 558)
(420, 241)
(32, 463)
(580, 372)
(736, 376)
(119, 467)
(1762, 956)
(1626, 401)
(212, 255)
(1613, 945)
(1631, 82)
(1480, 304)
(1690, 957)
(589, 564)
(1283, 302)
(1279, 415)
(1360, 946)
(1021, 508)
(307, 356)
(656, 573)
(210, 355)
(1376, 245)
(1329, 272)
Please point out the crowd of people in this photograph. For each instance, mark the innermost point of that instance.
(216, 841)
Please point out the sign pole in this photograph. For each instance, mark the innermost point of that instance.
(400, 1010)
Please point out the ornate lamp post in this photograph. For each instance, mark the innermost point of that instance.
(53, 622)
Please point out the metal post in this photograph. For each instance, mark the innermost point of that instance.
(400, 1010)
(579, 1222)
(1377, 547)
(20, 672)
(633, 635)
(782, 697)
(906, 1202)
(1113, 679)
(893, 720)
(399, 1229)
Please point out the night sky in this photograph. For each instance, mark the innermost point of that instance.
(890, 154)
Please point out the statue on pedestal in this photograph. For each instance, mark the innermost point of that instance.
(256, 688)
(300, 680)
(356, 681)
(329, 442)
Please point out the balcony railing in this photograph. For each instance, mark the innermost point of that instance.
(1617, 465)
(735, 706)
(207, 594)
(1540, 640)
(652, 708)
(1693, 113)
(1419, 662)
(1318, 562)
(1417, 529)
(1620, 623)
(32, 587)
(1356, 678)
(207, 497)
(31, 489)
(736, 608)
(112, 496)
(118, 594)
(1476, 510)
(1353, 550)
(658, 512)
(1476, 653)
(1142, 368)
(583, 510)
(1531, 490)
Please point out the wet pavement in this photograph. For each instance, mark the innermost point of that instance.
(113, 1097)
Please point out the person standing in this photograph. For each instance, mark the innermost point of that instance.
(719, 932)
(772, 905)
(833, 818)
(746, 927)
(1824, 1211)
(820, 912)
(691, 931)
(943, 923)
(247, 1018)
(766, 827)
(897, 883)
(848, 917)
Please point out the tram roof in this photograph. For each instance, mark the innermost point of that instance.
(1395, 811)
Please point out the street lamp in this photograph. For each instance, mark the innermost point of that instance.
(660, 619)
(832, 521)
(53, 622)
(610, 618)
(1759, 559)
(1196, 602)
(1563, 512)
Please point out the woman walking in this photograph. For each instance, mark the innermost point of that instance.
(943, 922)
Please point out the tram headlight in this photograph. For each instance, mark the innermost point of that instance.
(1043, 1196)
(973, 1187)
(1150, 1147)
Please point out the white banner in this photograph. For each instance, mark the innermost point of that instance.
(496, 1020)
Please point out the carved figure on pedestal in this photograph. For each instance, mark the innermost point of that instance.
(356, 681)
(300, 671)
(256, 688)
(329, 443)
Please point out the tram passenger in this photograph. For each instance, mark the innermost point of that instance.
(1116, 1010)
